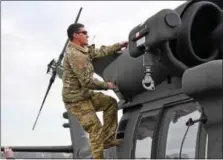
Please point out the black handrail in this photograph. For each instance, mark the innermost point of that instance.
(65, 149)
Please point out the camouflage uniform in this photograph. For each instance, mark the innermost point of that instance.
(80, 100)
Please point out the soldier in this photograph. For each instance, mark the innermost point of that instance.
(78, 86)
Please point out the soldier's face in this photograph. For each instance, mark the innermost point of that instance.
(82, 36)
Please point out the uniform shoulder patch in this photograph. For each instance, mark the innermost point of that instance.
(80, 61)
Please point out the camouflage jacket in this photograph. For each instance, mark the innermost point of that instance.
(78, 82)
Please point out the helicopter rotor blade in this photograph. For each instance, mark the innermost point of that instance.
(54, 72)
(48, 89)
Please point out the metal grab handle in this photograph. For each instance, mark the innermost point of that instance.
(148, 83)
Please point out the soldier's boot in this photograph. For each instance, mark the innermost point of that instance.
(113, 143)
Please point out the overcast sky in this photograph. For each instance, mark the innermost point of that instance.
(33, 33)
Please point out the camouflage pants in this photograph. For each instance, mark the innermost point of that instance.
(85, 111)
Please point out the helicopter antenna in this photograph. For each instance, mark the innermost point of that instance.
(92, 39)
(54, 69)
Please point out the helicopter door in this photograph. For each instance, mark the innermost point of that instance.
(137, 128)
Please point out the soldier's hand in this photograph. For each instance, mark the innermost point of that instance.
(111, 85)
(124, 44)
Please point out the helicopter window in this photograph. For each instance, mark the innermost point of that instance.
(144, 134)
(177, 128)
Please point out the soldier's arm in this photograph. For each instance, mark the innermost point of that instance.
(104, 50)
(84, 71)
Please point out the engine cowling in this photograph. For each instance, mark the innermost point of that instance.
(176, 52)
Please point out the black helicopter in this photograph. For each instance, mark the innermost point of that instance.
(172, 107)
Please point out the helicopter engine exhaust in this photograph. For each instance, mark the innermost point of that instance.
(194, 45)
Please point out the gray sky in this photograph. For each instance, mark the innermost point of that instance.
(33, 33)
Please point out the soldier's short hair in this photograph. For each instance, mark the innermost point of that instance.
(72, 29)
